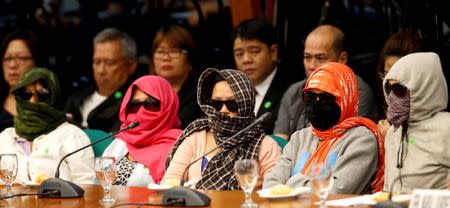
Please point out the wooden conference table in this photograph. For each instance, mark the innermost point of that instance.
(93, 193)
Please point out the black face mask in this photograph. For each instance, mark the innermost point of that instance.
(322, 115)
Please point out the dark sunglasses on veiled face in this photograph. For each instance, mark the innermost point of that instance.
(397, 88)
(151, 104)
(218, 104)
(310, 97)
(43, 94)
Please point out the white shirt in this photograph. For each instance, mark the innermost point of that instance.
(141, 174)
(89, 104)
(47, 150)
(261, 90)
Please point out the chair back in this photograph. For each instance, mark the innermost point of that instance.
(281, 142)
(95, 135)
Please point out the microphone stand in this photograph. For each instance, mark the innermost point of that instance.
(59, 188)
(188, 197)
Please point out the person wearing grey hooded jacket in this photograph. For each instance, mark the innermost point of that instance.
(418, 141)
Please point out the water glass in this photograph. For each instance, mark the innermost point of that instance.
(105, 171)
(321, 176)
(8, 171)
(246, 171)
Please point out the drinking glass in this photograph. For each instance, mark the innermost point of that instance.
(321, 180)
(246, 171)
(8, 171)
(105, 171)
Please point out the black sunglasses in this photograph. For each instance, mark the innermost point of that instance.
(310, 97)
(218, 104)
(397, 88)
(150, 104)
(43, 94)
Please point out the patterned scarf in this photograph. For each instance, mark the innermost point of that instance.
(219, 172)
(398, 109)
(35, 119)
(340, 81)
(150, 142)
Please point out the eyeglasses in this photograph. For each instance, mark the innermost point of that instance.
(43, 94)
(150, 104)
(172, 53)
(18, 59)
(310, 97)
(397, 88)
(218, 104)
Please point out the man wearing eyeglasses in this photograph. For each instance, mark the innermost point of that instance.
(256, 53)
(114, 61)
(323, 44)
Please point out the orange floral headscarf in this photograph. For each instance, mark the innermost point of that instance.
(340, 81)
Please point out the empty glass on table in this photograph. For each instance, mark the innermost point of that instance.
(246, 171)
(321, 181)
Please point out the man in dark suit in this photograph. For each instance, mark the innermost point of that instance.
(256, 53)
(114, 61)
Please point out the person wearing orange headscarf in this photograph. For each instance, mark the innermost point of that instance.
(351, 145)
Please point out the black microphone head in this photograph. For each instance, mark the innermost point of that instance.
(132, 125)
(265, 116)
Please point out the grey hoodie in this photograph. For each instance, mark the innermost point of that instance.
(426, 146)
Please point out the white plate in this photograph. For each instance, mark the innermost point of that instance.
(31, 184)
(159, 188)
(265, 193)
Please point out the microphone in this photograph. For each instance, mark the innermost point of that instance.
(391, 204)
(181, 195)
(59, 188)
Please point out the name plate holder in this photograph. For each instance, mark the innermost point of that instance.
(427, 198)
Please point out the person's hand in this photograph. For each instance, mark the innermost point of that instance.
(383, 126)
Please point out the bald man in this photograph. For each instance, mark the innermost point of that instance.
(323, 44)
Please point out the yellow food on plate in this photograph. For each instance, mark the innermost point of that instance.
(171, 182)
(280, 190)
(40, 178)
(381, 197)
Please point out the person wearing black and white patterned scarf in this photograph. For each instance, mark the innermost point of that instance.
(219, 172)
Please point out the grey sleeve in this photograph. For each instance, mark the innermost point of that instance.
(282, 122)
(291, 108)
(357, 162)
(366, 98)
(283, 168)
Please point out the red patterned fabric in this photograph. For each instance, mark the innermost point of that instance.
(150, 142)
(340, 81)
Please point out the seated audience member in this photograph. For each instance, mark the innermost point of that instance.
(256, 53)
(350, 144)
(113, 63)
(19, 52)
(227, 98)
(174, 59)
(418, 140)
(323, 44)
(141, 152)
(398, 45)
(41, 136)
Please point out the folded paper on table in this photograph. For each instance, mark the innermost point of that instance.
(426, 198)
(364, 200)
